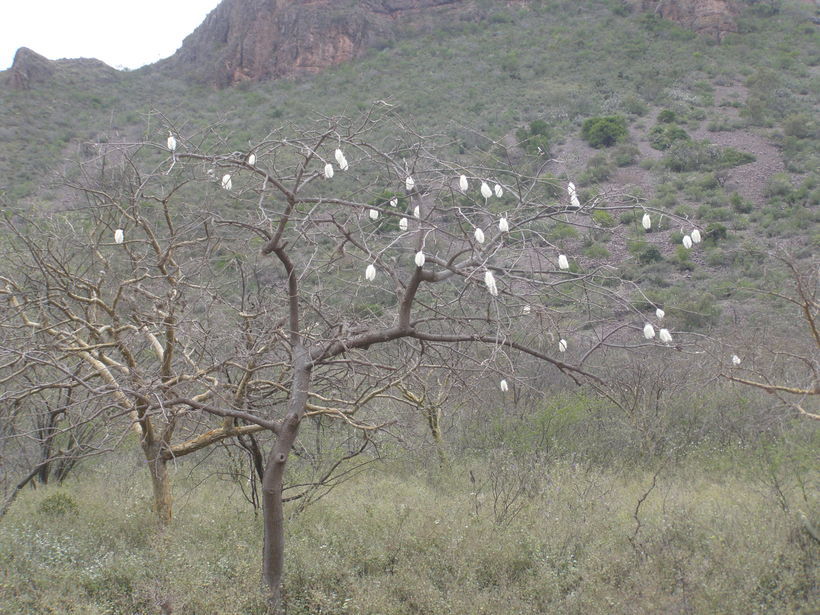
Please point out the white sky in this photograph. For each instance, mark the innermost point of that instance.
(121, 33)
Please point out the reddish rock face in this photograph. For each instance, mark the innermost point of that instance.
(713, 18)
(263, 39)
(244, 40)
(28, 69)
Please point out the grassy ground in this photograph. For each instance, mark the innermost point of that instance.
(716, 534)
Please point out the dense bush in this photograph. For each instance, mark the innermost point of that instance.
(730, 157)
(667, 116)
(596, 251)
(604, 131)
(801, 126)
(662, 136)
(58, 504)
(683, 259)
(716, 232)
(635, 106)
(696, 312)
(649, 254)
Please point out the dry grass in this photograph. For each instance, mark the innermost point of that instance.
(394, 543)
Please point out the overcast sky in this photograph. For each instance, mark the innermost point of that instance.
(123, 34)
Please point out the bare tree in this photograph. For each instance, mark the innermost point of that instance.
(42, 433)
(790, 372)
(263, 287)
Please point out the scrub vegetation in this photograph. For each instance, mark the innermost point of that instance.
(676, 480)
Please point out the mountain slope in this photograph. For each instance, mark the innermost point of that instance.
(481, 79)
(263, 39)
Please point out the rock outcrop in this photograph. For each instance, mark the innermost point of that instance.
(255, 40)
(244, 40)
(712, 18)
(262, 39)
(29, 69)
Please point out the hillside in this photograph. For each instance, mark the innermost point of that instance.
(438, 306)
(480, 74)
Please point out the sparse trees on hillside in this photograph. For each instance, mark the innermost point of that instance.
(246, 292)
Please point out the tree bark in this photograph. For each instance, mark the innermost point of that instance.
(46, 437)
(273, 512)
(161, 484)
(433, 412)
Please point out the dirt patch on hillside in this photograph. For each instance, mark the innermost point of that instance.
(749, 180)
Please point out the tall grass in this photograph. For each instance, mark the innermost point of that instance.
(718, 533)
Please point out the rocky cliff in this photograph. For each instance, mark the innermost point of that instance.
(254, 40)
(262, 39)
(29, 69)
(712, 18)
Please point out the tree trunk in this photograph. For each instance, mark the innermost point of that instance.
(45, 435)
(434, 421)
(273, 518)
(161, 484)
(273, 510)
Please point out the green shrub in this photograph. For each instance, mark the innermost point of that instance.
(604, 131)
(604, 218)
(683, 259)
(779, 185)
(709, 181)
(562, 231)
(690, 155)
(366, 310)
(387, 223)
(58, 505)
(764, 8)
(667, 116)
(628, 217)
(801, 126)
(511, 65)
(596, 250)
(696, 311)
(730, 157)
(662, 136)
(716, 232)
(649, 254)
(536, 139)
